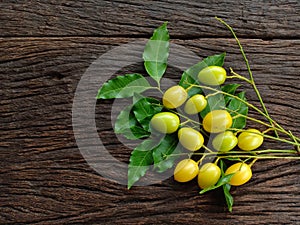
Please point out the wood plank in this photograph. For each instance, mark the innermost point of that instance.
(45, 180)
(188, 19)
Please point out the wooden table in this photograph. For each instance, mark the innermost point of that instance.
(46, 46)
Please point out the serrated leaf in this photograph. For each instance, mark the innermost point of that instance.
(156, 53)
(230, 89)
(127, 125)
(238, 107)
(190, 76)
(144, 109)
(214, 102)
(228, 196)
(162, 154)
(140, 160)
(123, 86)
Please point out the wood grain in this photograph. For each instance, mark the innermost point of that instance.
(44, 178)
(188, 19)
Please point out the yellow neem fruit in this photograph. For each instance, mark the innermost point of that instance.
(186, 170)
(174, 97)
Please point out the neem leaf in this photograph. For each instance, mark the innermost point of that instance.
(140, 161)
(127, 125)
(228, 196)
(123, 86)
(190, 76)
(239, 107)
(162, 154)
(214, 102)
(230, 89)
(144, 109)
(226, 188)
(219, 101)
(156, 53)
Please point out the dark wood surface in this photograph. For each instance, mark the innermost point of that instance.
(45, 48)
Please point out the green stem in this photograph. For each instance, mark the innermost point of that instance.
(279, 128)
(260, 157)
(236, 75)
(236, 97)
(208, 149)
(249, 71)
(295, 139)
(265, 151)
(270, 127)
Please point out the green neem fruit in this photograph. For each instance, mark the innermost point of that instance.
(190, 138)
(242, 173)
(212, 75)
(217, 121)
(209, 174)
(195, 104)
(250, 139)
(174, 97)
(186, 170)
(225, 141)
(165, 122)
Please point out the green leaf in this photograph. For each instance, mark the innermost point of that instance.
(228, 196)
(140, 161)
(162, 154)
(222, 167)
(137, 97)
(156, 53)
(144, 109)
(214, 102)
(230, 89)
(123, 86)
(238, 107)
(223, 180)
(190, 76)
(127, 125)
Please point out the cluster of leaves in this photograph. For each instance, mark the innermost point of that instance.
(156, 150)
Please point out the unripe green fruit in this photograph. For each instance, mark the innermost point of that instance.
(212, 75)
(225, 141)
(165, 122)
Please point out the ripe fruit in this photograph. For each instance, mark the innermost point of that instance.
(242, 173)
(209, 174)
(217, 121)
(174, 97)
(195, 104)
(212, 75)
(225, 141)
(190, 138)
(186, 170)
(165, 122)
(250, 139)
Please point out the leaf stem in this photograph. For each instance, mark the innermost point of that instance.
(249, 71)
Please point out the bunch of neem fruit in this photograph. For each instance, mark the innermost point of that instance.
(200, 108)
(215, 122)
